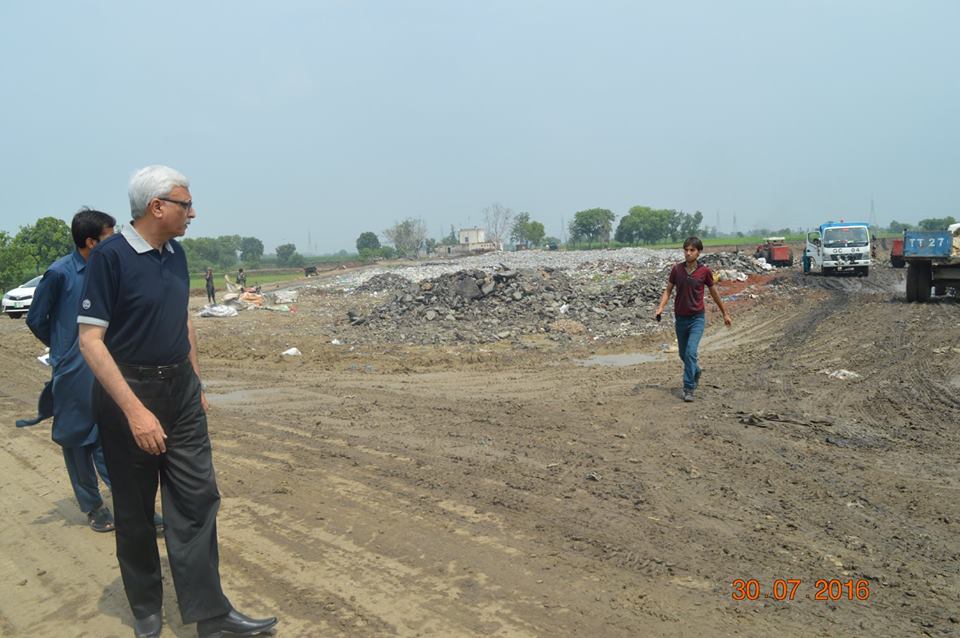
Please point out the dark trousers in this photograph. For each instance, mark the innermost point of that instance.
(83, 463)
(188, 493)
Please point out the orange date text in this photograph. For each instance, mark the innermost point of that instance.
(791, 588)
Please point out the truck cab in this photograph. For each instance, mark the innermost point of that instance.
(837, 247)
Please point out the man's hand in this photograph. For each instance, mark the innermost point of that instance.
(147, 432)
(727, 321)
(203, 402)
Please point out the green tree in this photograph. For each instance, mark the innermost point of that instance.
(15, 267)
(524, 231)
(647, 225)
(690, 224)
(451, 239)
(591, 225)
(251, 251)
(408, 237)
(284, 253)
(368, 241)
(899, 227)
(44, 242)
(936, 223)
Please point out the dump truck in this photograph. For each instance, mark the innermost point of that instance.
(933, 261)
(896, 254)
(774, 251)
(837, 247)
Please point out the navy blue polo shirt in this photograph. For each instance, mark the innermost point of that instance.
(139, 294)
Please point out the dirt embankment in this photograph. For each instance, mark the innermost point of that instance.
(506, 489)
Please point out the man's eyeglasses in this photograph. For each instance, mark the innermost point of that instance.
(187, 205)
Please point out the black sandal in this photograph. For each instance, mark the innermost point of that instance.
(101, 520)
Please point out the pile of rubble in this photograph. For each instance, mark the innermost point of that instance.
(603, 298)
(382, 282)
(478, 306)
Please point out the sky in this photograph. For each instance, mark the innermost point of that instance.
(313, 121)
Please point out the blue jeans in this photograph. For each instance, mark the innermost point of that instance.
(689, 331)
(83, 465)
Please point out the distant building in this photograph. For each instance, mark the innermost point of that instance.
(472, 241)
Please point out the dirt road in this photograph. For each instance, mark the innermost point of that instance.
(511, 490)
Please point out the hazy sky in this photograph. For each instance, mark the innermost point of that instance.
(323, 119)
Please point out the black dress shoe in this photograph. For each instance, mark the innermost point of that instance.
(234, 624)
(148, 627)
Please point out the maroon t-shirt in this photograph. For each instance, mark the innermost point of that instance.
(689, 299)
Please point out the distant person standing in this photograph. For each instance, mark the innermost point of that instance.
(689, 278)
(241, 278)
(53, 319)
(150, 405)
(208, 277)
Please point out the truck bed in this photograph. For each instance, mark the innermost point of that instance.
(931, 244)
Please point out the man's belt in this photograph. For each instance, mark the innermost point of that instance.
(154, 372)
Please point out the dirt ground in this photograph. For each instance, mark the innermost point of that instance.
(511, 490)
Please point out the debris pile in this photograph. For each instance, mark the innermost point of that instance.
(478, 306)
(383, 282)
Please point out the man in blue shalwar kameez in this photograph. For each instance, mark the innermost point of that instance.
(53, 319)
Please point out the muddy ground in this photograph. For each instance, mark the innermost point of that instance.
(507, 489)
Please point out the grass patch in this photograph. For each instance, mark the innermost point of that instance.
(254, 278)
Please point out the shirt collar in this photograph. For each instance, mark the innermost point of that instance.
(137, 242)
(78, 261)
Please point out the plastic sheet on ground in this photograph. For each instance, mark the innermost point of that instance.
(285, 296)
(277, 308)
(843, 375)
(218, 310)
(292, 352)
(730, 275)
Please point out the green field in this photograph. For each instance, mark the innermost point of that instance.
(254, 278)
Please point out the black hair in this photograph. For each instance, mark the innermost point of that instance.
(693, 242)
(89, 224)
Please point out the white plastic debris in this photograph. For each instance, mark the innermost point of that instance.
(285, 297)
(218, 310)
(843, 375)
(336, 342)
(292, 352)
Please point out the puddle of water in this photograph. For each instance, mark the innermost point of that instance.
(620, 360)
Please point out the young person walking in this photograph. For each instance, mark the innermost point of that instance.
(689, 278)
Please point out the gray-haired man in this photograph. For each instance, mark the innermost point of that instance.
(137, 337)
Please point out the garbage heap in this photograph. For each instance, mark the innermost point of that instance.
(476, 306)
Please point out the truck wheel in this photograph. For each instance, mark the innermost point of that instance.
(864, 272)
(827, 272)
(939, 290)
(16, 315)
(912, 282)
(924, 280)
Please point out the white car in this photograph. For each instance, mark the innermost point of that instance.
(16, 302)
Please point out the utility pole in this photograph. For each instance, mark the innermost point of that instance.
(873, 214)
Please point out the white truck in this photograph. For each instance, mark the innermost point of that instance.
(838, 247)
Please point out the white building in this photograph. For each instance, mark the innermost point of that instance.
(472, 240)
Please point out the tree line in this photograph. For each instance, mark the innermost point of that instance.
(641, 225)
